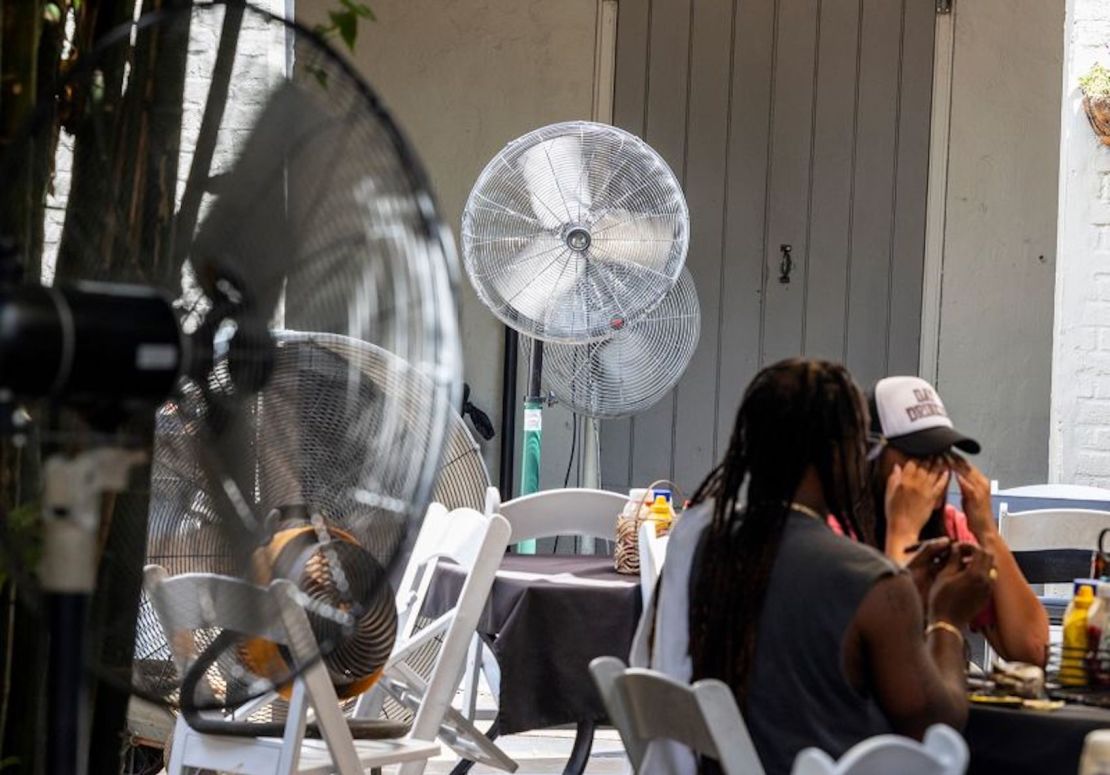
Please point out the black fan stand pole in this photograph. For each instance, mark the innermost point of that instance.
(508, 413)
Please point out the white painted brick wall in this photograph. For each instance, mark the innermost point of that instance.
(1080, 443)
(259, 63)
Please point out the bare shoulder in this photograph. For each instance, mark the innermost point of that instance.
(892, 603)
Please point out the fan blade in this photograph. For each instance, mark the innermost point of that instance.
(555, 175)
(545, 268)
(643, 239)
(248, 237)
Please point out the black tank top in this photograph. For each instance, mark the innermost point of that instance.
(799, 695)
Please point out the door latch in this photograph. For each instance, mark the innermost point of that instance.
(786, 263)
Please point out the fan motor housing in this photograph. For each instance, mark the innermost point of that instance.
(88, 343)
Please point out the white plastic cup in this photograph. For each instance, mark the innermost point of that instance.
(1095, 759)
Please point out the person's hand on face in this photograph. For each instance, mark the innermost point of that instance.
(962, 586)
(975, 490)
(912, 492)
(928, 561)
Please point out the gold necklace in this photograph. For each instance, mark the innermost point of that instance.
(801, 508)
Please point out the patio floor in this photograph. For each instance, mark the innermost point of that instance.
(546, 752)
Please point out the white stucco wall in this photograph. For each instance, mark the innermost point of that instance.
(995, 350)
(1080, 445)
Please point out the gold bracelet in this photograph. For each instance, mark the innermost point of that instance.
(946, 627)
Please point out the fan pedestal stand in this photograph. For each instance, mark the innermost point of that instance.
(74, 487)
(591, 467)
(533, 435)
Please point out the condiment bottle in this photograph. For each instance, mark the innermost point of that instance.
(1098, 637)
(662, 514)
(1073, 667)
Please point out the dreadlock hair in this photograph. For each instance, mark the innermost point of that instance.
(795, 414)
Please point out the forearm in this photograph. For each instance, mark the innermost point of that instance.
(897, 541)
(1021, 627)
(946, 649)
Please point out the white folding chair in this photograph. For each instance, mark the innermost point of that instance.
(703, 717)
(475, 542)
(1051, 529)
(578, 512)
(193, 601)
(572, 512)
(1077, 492)
(944, 752)
(653, 550)
(1046, 531)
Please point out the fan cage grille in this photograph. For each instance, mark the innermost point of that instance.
(632, 370)
(574, 230)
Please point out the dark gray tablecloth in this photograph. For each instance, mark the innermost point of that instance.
(1020, 742)
(546, 630)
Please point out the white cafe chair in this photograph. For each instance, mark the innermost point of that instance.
(703, 717)
(943, 752)
(476, 543)
(576, 511)
(1077, 492)
(192, 601)
(1051, 529)
(471, 539)
(579, 512)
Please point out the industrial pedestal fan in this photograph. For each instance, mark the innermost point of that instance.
(632, 370)
(275, 201)
(572, 233)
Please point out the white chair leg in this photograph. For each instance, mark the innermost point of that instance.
(471, 678)
(181, 732)
(332, 723)
(492, 672)
(370, 703)
(295, 723)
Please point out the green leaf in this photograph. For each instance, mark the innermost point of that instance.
(359, 9)
(346, 22)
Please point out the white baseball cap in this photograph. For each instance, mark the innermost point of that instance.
(911, 417)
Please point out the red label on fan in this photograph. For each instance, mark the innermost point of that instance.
(616, 324)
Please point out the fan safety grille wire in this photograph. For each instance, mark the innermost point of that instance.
(574, 231)
(632, 370)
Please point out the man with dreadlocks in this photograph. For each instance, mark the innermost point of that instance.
(822, 639)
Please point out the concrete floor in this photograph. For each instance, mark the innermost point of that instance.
(546, 752)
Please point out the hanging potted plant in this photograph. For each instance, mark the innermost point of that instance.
(1095, 86)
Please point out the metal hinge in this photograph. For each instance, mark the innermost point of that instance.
(944, 6)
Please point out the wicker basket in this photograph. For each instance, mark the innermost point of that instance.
(1098, 113)
(626, 552)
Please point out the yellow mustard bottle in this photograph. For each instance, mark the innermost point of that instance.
(662, 514)
(1073, 662)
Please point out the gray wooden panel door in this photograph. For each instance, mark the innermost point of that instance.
(799, 123)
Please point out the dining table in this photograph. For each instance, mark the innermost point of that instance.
(1019, 741)
(547, 618)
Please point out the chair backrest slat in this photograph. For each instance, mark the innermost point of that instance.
(1051, 528)
(646, 692)
(645, 706)
(192, 601)
(569, 512)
